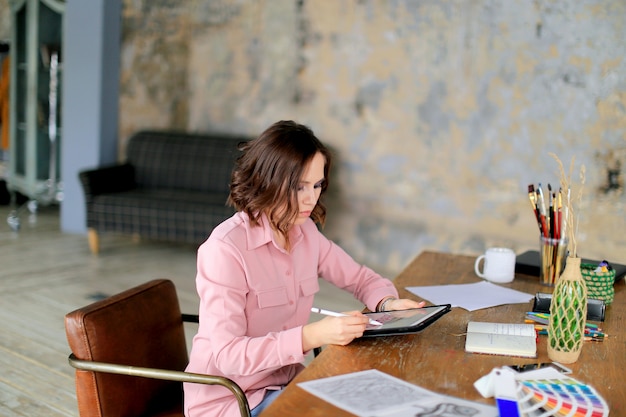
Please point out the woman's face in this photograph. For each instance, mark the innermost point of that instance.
(310, 187)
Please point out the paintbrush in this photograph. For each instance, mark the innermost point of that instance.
(541, 202)
(550, 215)
(533, 203)
(559, 215)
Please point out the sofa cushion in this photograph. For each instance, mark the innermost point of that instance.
(164, 214)
(183, 160)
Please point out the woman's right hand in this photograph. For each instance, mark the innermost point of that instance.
(334, 330)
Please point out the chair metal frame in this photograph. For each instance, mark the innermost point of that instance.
(155, 373)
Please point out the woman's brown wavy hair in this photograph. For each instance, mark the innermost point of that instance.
(266, 176)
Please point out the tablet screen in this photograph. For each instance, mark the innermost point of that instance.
(404, 321)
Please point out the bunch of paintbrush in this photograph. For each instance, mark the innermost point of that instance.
(551, 217)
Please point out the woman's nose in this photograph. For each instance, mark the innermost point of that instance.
(309, 195)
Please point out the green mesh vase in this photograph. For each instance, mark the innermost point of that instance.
(568, 314)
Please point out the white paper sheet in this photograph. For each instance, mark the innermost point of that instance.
(471, 296)
(373, 393)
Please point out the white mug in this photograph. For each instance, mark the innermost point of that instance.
(499, 265)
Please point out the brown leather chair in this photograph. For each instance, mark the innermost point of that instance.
(129, 351)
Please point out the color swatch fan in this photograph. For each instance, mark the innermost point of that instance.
(560, 397)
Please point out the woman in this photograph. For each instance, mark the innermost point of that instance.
(258, 272)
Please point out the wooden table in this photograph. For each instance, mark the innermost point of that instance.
(435, 359)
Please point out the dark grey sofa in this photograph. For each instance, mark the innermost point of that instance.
(173, 186)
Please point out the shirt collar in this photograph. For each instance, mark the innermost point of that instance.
(262, 234)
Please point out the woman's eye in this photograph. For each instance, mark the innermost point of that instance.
(318, 184)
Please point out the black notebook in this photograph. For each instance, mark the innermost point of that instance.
(528, 263)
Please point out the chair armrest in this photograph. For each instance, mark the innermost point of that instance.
(191, 318)
(154, 373)
(107, 179)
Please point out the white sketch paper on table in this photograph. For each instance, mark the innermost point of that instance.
(375, 394)
(471, 296)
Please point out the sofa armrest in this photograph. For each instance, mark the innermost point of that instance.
(107, 179)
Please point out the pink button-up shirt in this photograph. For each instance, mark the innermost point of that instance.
(255, 297)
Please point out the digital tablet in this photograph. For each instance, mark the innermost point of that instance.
(404, 321)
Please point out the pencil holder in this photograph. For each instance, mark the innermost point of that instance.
(552, 254)
(599, 284)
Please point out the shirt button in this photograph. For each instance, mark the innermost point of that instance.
(291, 302)
(284, 327)
(288, 272)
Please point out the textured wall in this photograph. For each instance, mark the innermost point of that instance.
(441, 112)
(5, 21)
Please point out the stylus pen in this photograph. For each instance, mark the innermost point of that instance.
(335, 314)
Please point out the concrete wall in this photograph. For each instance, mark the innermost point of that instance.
(441, 112)
(5, 21)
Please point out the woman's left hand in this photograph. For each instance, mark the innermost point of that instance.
(403, 304)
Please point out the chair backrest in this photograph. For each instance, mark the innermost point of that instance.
(140, 327)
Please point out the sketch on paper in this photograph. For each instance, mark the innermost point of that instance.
(441, 410)
(365, 392)
(373, 393)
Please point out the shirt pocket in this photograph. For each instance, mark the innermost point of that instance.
(309, 287)
(272, 298)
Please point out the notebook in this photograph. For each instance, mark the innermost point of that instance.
(509, 339)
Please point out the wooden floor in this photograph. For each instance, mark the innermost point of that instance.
(44, 274)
